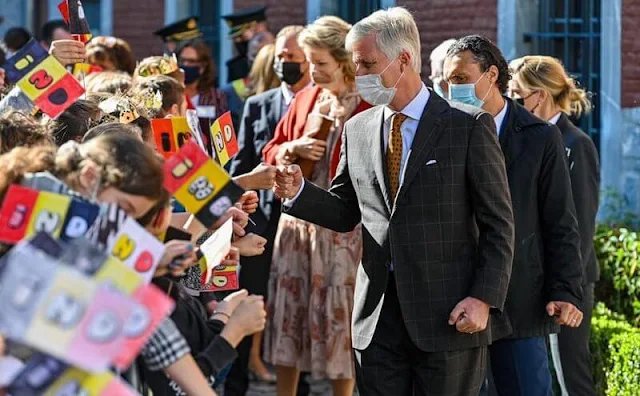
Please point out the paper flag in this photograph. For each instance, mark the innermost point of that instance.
(43, 79)
(122, 236)
(196, 130)
(84, 69)
(73, 13)
(199, 184)
(153, 305)
(223, 139)
(216, 247)
(170, 134)
(224, 278)
(26, 212)
(24, 61)
(61, 312)
(46, 375)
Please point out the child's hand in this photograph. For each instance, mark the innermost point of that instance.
(233, 258)
(250, 245)
(68, 52)
(178, 257)
(249, 202)
(240, 221)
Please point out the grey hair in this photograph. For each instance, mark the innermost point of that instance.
(395, 31)
(438, 55)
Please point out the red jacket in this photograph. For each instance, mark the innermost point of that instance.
(291, 127)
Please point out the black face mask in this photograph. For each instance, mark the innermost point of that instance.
(191, 74)
(288, 72)
(243, 48)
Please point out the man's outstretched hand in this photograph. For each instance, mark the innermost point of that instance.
(288, 181)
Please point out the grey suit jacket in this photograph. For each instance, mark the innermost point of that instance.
(449, 232)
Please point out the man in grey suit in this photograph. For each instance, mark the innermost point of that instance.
(427, 180)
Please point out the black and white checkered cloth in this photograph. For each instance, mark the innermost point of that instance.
(165, 347)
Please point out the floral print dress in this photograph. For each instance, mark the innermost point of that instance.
(312, 278)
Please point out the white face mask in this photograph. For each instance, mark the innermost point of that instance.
(372, 90)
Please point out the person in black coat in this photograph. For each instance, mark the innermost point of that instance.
(261, 115)
(545, 287)
(544, 88)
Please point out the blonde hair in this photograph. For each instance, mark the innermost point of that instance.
(330, 33)
(262, 76)
(546, 73)
(395, 31)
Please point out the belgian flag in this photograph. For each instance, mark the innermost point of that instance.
(73, 14)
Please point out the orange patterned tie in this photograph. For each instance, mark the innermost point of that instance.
(394, 153)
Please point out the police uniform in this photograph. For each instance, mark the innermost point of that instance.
(178, 32)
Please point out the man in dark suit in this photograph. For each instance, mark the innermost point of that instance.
(261, 115)
(427, 181)
(545, 289)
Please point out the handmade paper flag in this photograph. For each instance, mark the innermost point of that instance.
(153, 305)
(223, 139)
(26, 212)
(24, 61)
(84, 69)
(46, 375)
(43, 79)
(224, 278)
(170, 134)
(73, 13)
(216, 247)
(122, 236)
(56, 310)
(196, 130)
(199, 184)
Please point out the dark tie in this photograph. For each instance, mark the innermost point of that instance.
(394, 153)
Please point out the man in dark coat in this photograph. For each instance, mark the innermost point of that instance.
(545, 288)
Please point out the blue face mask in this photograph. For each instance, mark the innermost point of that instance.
(466, 93)
(438, 89)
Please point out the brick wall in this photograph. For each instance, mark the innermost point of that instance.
(439, 20)
(135, 22)
(280, 12)
(630, 54)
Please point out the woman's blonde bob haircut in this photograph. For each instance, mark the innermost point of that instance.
(329, 33)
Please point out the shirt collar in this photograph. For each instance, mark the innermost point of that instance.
(414, 109)
(555, 118)
(499, 118)
(287, 93)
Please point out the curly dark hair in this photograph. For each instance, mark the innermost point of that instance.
(18, 129)
(486, 54)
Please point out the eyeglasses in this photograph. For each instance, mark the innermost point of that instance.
(190, 61)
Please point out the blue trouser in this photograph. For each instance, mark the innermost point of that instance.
(521, 367)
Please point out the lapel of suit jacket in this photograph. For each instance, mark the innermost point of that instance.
(511, 142)
(428, 131)
(376, 123)
(278, 100)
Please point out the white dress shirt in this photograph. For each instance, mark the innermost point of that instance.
(287, 95)
(555, 118)
(499, 118)
(413, 111)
